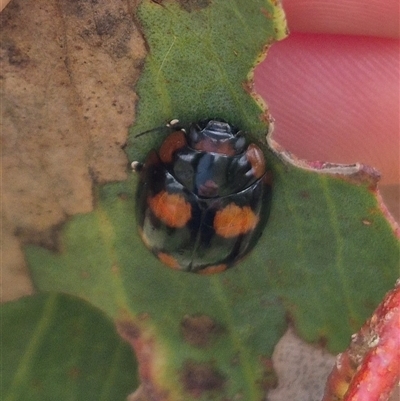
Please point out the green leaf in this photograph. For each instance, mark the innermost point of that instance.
(327, 254)
(201, 54)
(55, 347)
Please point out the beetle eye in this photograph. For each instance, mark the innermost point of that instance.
(193, 136)
(240, 144)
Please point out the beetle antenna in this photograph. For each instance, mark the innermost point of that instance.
(150, 130)
(172, 124)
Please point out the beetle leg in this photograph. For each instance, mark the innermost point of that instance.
(136, 166)
(174, 122)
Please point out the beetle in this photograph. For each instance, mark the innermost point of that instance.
(203, 198)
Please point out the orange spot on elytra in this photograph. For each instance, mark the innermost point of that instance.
(168, 260)
(234, 220)
(171, 209)
(173, 142)
(256, 158)
(213, 269)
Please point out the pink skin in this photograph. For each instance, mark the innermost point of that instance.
(333, 90)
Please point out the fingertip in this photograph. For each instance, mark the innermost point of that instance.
(344, 17)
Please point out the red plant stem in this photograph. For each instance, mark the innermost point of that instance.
(370, 367)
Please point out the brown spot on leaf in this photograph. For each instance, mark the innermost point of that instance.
(16, 56)
(199, 378)
(115, 30)
(199, 330)
(267, 13)
(248, 86)
(49, 239)
(128, 330)
(322, 341)
(107, 24)
(76, 8)
(365, 175)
